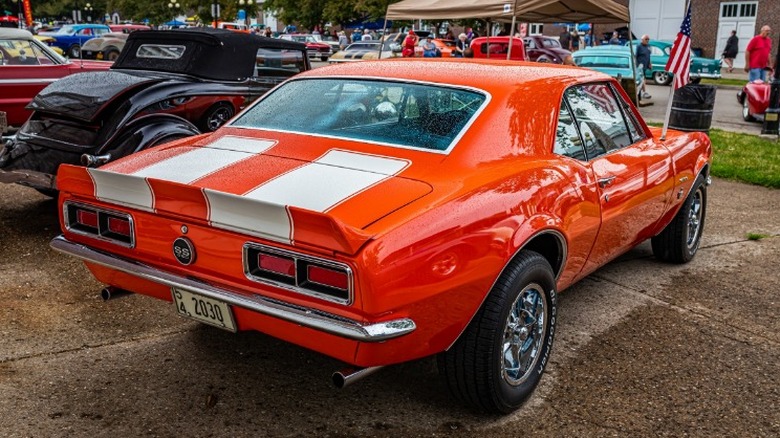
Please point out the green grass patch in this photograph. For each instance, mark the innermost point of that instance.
(724, 81)
(757, 236)
(744, 157)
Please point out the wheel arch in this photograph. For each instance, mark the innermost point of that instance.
(549, 242)
(145, 131)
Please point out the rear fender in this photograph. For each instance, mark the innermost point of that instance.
(145, 132)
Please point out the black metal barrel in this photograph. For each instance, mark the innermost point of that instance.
(692, 108)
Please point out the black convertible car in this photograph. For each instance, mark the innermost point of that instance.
(165, 85)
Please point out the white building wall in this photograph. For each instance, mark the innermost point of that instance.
(658, 18)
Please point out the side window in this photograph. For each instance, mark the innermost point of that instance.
(599, 119)
(567, 139)
(634, 127)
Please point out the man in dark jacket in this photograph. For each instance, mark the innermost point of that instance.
(643, 59)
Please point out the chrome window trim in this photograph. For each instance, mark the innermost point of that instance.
(453, 143)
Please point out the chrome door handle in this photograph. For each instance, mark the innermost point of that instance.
(603, 182)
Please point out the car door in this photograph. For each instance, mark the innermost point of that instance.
(634, 174)
(25, 70)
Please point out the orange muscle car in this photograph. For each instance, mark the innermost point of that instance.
(410, 208)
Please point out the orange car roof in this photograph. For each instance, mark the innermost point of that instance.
(485, 74)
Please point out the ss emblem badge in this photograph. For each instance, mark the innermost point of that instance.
(184, 251)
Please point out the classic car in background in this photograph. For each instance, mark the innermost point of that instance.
(544, 49)
(333, 42)
(128, 28)
(378, 213)
(165, 85)
(71, 37)
(497, 47)
(754, 98)
(363, 51)
(315, 49)
(108, 46)
(615, 61)
(26, 67)
(49, 41)
(659, 56)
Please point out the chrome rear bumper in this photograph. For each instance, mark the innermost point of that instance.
(307, 317)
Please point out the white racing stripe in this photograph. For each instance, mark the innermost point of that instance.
(198, 163)
(122, 189)
(132, 190)
(318, 186)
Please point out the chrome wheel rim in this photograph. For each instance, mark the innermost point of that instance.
(219, 118)
(661, 77)
(694, 218)
(745, 109)
(524, 334)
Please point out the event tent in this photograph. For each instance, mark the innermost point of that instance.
(533, 11)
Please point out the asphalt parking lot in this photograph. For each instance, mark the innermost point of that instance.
(643, 348)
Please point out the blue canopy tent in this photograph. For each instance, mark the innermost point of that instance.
(367, 24)
(175, 23)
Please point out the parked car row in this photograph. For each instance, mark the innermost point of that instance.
(377, 213)
(165, 85)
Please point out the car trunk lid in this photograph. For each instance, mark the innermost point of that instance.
(83, 96)
(236, 184)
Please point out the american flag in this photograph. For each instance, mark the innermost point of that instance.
(679, 62)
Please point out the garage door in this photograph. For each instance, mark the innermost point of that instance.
(739, 16)
(658, 18)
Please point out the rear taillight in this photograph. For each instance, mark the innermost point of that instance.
(325, 279)
(112, 226)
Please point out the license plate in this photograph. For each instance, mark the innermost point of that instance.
(3, 122)
(203, 309)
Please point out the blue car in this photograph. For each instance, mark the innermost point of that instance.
(70, 37)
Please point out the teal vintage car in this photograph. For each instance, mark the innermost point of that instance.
(615, 61)
(612, 60)
(659, 55)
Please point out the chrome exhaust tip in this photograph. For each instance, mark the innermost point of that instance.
(111, 292)
(94, 160)
(349, 376)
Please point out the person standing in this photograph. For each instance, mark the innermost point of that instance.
(410, 42)
(343, 41)
(731, 50)
(643, 60)
(575, 41)
(461, 45)
(565, 40)
(757, 55)
(590, 39)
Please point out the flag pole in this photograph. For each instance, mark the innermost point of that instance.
(671, 93)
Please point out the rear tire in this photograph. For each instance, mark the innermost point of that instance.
(662, 77)
(680, 240)
(499, 359)
(112, 55)
(746, 116)
(74, 51)
(216, 116)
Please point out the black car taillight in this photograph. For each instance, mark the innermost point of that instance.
(88, 220)
(304, 274)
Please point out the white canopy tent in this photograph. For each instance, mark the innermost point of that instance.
(531, 11)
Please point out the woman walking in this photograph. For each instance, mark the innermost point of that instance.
(731, 50)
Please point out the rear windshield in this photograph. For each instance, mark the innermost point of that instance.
(604, 61)
(418, 116)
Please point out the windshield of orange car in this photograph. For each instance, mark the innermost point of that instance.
(419, 116)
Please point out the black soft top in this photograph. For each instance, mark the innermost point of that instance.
(208, 53)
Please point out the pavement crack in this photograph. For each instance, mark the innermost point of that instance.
(97, 345)
(684, 309)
